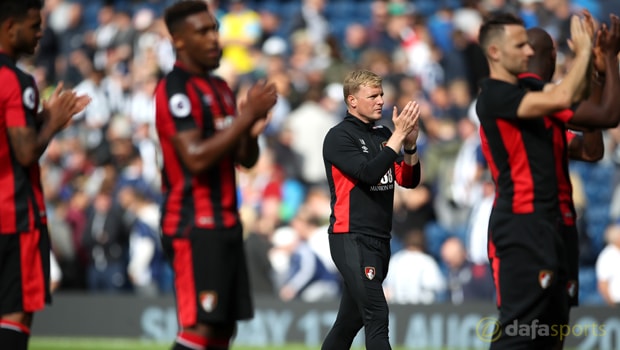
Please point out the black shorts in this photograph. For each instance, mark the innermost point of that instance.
(210, 276)
(571, 241)
(529, 264)
(24, 271)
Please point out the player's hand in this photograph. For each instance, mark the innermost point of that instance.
(580, 42)
(610, 42)
(62, 105)
(261, 97)
(407, 120)
(598, 54)
(590, 24)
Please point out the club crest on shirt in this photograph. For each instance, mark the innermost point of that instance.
(369, 271)
(571, 288)
(544, 278)
(29, 97)
(208, 300)
(180, 106)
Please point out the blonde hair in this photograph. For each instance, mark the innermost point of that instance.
(357, 78)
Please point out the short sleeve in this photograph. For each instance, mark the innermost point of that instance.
(20, 101)
(173, 104)
(499, 100)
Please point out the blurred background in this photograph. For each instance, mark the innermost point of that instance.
(101, 175)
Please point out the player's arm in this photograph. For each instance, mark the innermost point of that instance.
(538, 104)
(407, 169)
(602, 108)
(199, 154)
(27, 139)
(347, 153)
(587, 147)
(344, 151)
(248, 150)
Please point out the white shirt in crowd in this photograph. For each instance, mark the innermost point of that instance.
(607, 270)
(413, 278)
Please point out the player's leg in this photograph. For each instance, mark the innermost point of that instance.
(373, 305)
(348, 321)
(210, 271)
(571, 242)
(347, 324)
(24, 284)
(525, 262)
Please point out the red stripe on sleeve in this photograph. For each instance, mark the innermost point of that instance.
(342, 208)
(404, 174)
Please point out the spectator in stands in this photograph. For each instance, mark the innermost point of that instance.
(308, 278)
(413, 276)
(239, 32)
(106, 238)
(466, 281)
(607, 272)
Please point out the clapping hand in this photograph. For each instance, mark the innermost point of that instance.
(62, 105)
(407, 122)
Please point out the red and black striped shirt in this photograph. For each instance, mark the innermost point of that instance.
(187, 101)
(520, 152)
(561, 139)
(22, 207)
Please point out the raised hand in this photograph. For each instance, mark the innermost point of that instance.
(598, 55)
(62, 105)
(610, 42)
(412, 137)
(261, 97)
(260, 124)
(590, 24)
(580, 42)
(407, 120)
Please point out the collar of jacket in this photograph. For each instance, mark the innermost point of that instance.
(355, 120)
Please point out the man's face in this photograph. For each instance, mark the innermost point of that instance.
(27, 32)
(514, 49)
(201, 40)
(368, 103)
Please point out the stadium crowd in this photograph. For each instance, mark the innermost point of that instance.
(101, 175)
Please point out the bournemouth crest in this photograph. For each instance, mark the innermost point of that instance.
(544, 278)
(571, 287)
(208, 300)
(369, 271)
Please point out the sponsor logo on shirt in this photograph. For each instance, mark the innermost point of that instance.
(223, 123)
(29, 97)
(180, 106)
